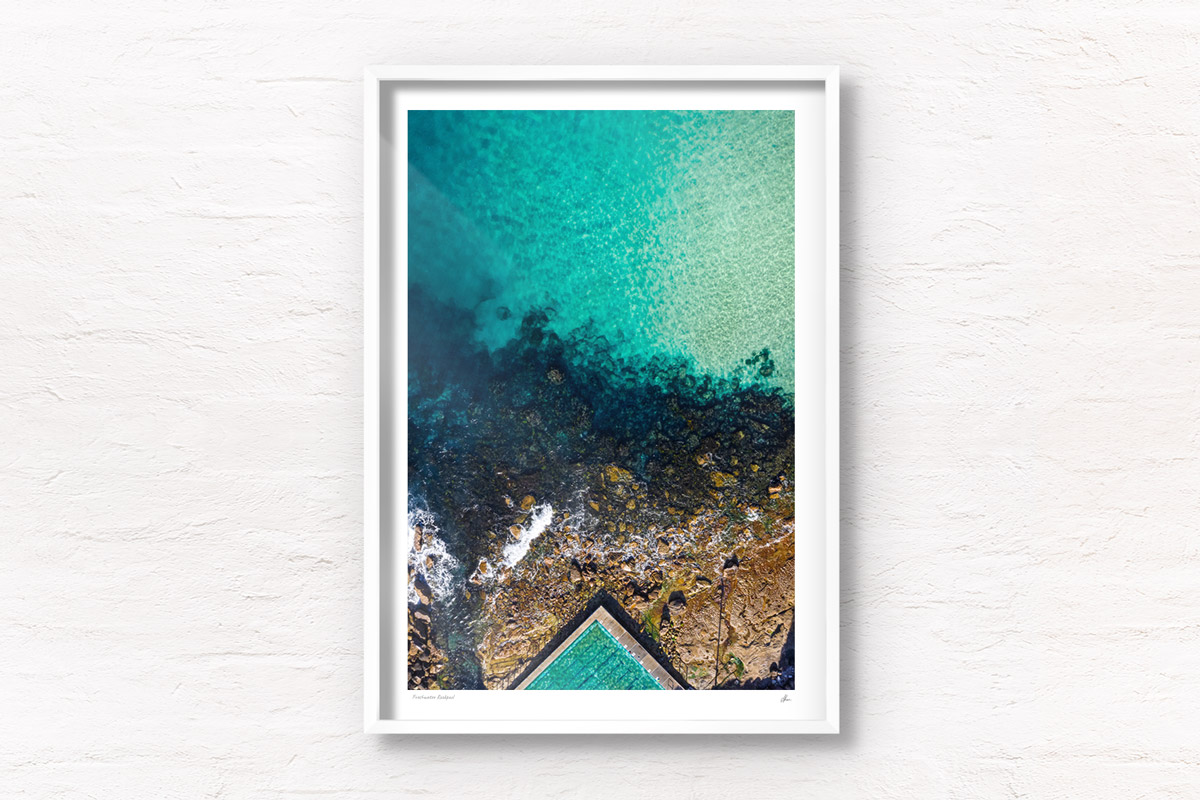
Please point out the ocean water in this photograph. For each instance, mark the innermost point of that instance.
(587, 291)
(671, 232)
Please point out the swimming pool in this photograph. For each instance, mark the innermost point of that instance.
(595, 660)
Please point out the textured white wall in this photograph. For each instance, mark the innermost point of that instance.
(180, 423)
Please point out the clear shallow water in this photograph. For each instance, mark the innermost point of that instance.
(595, 660)
(670, 231)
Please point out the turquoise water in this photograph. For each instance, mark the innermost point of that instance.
(670, 231)
(595, 660)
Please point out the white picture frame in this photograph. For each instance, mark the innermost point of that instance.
(811, 91)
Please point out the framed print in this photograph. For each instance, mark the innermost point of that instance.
(601, 390)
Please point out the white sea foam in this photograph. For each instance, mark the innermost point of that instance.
(432, 560)
(515, 551)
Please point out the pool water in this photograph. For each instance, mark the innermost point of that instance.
(595, 660)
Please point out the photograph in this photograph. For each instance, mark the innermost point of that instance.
(601, 425)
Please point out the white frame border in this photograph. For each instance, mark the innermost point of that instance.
(374, 78)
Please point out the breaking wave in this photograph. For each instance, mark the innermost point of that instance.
(428, 556)
(515, 551)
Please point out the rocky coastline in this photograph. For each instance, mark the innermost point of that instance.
(555, 470)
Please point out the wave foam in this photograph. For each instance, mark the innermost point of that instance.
(515, 551)
(432, 561)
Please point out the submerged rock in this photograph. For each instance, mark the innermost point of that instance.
(616, 475)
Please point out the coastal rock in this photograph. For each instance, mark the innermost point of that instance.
(420, 624)
(753, 615)
(689, 598)
(426, 661)
(723, 479)
(422, 589)
(677, 601)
